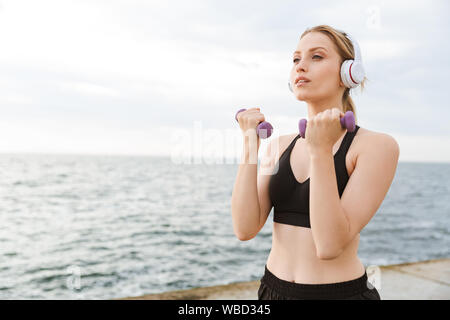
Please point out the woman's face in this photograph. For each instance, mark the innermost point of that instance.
(321, 66)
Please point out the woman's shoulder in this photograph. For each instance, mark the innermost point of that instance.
(369, 139)
(365, 134)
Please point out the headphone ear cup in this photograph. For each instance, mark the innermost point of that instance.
(357, 72)
(351, 72)
(345, 74)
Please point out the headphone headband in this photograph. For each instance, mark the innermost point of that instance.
(355, 47)
(352, 70)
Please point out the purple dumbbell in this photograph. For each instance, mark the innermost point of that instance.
(347, 122)
(264, 126)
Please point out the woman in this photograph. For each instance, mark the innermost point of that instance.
(324, 188)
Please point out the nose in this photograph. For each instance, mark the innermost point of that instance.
(300, 66)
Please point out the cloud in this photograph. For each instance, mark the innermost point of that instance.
(14, 99)
(385, 49)
(417, 148)
(133, 66)
(86, 88)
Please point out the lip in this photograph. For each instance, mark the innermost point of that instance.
(301, 84)
(298, 84)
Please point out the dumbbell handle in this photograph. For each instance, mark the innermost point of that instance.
(263, 130)
(347, 122)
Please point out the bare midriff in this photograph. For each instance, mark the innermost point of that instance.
(294, 258)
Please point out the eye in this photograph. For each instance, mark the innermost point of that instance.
(319, 57)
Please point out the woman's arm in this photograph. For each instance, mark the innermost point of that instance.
(245, 209)
(336, 221)
(329, 224)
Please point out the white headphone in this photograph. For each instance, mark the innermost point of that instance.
(352, 71)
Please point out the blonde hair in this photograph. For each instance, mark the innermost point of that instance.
(346, 51)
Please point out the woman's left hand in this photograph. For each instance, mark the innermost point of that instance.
(323, 130)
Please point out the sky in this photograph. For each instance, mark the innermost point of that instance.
(131, 77)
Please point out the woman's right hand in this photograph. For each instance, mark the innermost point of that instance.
(249, 119)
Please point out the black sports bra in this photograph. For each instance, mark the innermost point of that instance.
(289, 197)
